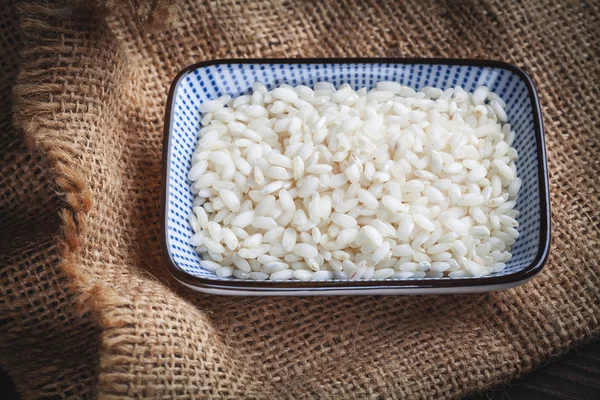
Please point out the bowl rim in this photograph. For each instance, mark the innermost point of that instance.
(423, 285)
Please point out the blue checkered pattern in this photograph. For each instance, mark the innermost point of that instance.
(210, 82)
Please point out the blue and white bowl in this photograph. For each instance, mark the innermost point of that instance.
(209, 80)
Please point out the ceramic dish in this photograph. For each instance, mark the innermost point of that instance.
(209, 80)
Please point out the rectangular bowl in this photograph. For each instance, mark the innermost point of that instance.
(209, 80)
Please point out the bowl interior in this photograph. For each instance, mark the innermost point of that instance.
(211, 81)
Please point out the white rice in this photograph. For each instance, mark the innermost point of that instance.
(325, 183)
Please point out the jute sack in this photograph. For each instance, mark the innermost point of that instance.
(86, 307)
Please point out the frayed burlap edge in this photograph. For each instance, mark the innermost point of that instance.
(151, 15)
(33, 112)
(63, 41)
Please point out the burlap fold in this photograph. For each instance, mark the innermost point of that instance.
(86, 306)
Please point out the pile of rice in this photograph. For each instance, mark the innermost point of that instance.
(326, 183)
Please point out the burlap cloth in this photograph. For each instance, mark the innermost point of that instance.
(86, 306)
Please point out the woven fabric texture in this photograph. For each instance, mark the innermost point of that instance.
(86, 306)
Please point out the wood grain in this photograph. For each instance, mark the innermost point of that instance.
(576, 376)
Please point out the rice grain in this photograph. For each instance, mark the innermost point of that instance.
(388, 183)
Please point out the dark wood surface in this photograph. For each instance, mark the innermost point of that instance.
(7, 389)
(576, 376)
